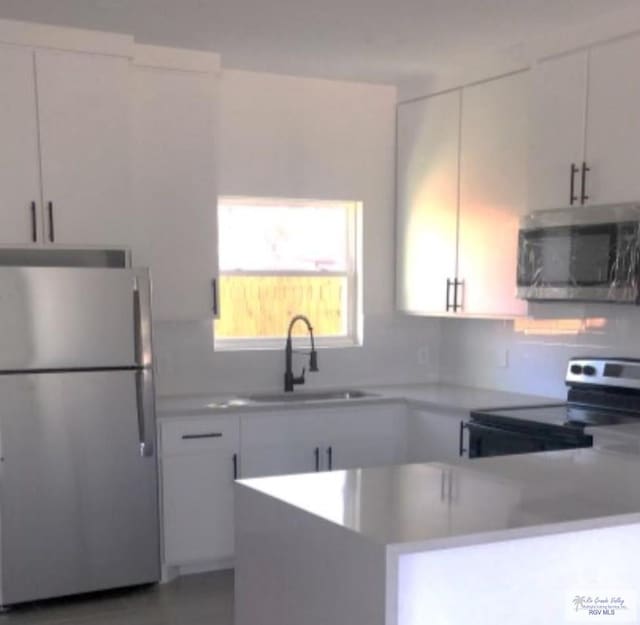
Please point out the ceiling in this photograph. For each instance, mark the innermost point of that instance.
(369, 40)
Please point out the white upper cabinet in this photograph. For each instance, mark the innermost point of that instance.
(19, 176)
(493, 191)
(427, 201)
(558, 89)
(585, 127)
(174, 187)
(613, 128)
(461, 190)
(64, 167)
(84, 124)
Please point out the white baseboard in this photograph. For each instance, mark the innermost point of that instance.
(171, 572)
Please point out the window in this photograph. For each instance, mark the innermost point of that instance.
(282, 257)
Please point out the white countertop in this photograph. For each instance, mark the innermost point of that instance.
(442, 397)
(483, 500)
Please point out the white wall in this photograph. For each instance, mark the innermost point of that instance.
(492, 63)
(491, 354)
(297, 137)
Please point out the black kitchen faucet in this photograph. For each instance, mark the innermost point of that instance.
(289, 379)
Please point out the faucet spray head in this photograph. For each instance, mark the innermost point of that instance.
(313, 360)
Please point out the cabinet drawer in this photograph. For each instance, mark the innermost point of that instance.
(186, 436)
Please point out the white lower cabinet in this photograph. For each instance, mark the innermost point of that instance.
(434, 437)
(277, 443)
(201, 456)
(198, 461)
(365, 437)
(324, 439)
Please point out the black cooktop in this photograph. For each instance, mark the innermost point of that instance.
(566, 415)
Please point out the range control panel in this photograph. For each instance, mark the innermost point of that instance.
(614, 372)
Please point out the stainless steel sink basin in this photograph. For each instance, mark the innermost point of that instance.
(229, 403)
(278, 398)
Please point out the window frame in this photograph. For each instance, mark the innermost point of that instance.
(352, 274)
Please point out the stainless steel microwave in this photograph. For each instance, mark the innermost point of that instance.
(587, 253)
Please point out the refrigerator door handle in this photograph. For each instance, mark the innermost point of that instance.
(137, 325)
(145, 394)
(142, 321)
(144, 398)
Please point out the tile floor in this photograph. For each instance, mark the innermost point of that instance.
(205, 599)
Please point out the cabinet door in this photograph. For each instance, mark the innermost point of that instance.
(197, 486)
(198, 507)
(427, 201)
(557, 99)
(83, 114)
(364, 436)
(174, 187)
(279, 443)
(493, 194)
(19, 177)
(613, 124)
(433, 437)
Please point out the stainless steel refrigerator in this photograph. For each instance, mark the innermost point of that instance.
(78, 472)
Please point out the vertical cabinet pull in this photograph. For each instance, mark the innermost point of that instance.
(583, 192)
(214, 298)
(457, 305)
(235, 466)
(52, 232)
(572, 186)
(330, 458)
(316, 453)
(34, 223)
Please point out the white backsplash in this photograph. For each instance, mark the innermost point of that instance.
(396, 350)
(489, 353)
(399, 349)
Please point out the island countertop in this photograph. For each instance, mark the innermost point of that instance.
(470, 502)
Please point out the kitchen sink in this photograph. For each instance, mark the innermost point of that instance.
(230, 403)
(278, 398)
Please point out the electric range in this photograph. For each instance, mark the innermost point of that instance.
(601, 391)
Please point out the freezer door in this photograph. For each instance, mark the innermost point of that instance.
(78, 500)
(61, 318)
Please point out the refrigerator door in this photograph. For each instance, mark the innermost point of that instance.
(61, 318)
(78, 504)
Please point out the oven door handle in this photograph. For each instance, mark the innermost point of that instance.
(480, 427)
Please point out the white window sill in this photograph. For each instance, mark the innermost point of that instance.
(278, 344)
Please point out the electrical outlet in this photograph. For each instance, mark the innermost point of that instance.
(502, 358)
(423, 355)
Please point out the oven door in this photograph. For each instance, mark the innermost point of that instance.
(485, 441)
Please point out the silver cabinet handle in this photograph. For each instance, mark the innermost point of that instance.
(235, 466)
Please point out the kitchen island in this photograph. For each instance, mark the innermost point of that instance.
(517, 539)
